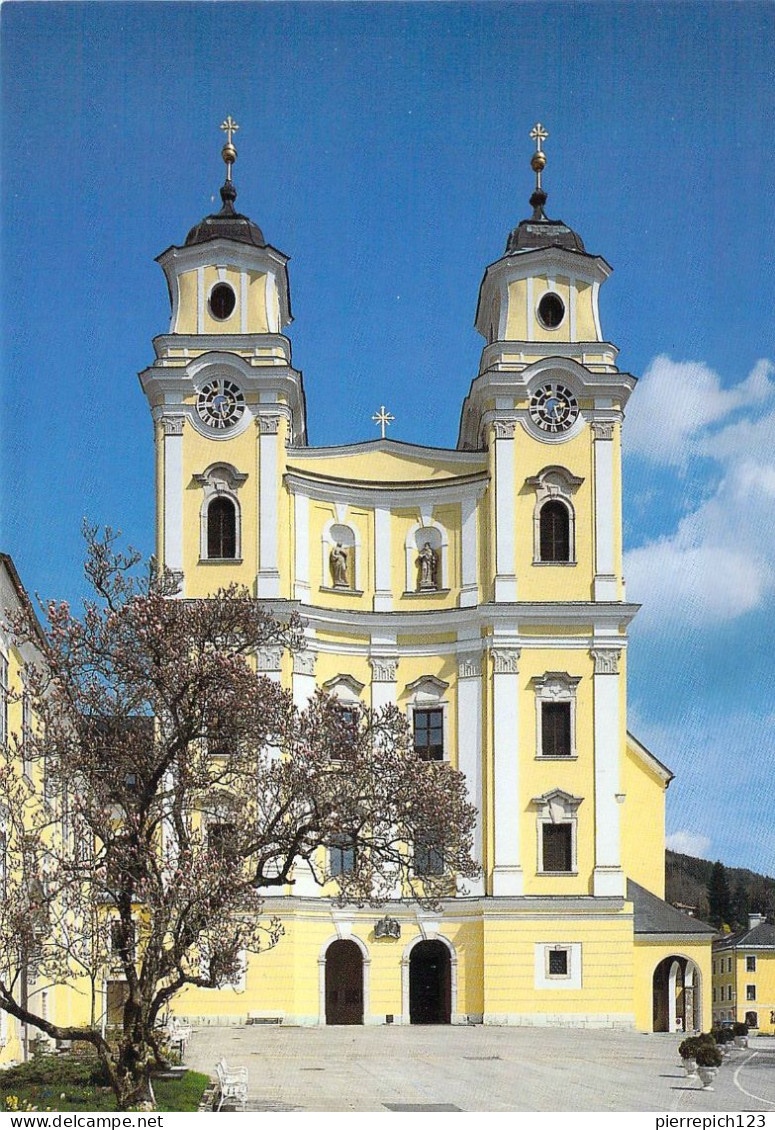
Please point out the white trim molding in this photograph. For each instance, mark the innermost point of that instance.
(605, 584)
(507, 878)
(554, 483)
(555, 686)
(557, 807)
(544, 979)
(220, 480)
(608, 878)
(344, 934)
(429, 933)
(469, 750)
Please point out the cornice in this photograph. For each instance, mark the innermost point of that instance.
(390, 447)
(330, 488)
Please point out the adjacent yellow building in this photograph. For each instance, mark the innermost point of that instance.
(744, 976)
(480, 589)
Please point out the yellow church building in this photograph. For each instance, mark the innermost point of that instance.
(479, 588)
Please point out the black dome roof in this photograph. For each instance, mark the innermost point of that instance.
(539, 231)
(226, 224)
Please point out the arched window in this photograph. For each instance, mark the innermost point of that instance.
(221, 528)
(555, 531)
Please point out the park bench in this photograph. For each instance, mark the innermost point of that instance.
(232, 1084)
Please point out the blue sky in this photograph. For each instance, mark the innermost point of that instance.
(385, 148)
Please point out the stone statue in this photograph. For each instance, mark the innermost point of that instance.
(338, 562)
(427, 563)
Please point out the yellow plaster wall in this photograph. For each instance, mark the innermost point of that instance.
(643, 824)
(380, 466)
(607, 966)
(519, 319)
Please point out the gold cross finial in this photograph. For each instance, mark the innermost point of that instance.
(229, 152)
(383, 419)
(538, 160)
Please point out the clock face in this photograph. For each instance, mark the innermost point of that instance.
(554, 408)
(221, 404)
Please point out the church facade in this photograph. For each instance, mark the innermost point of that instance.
(479, 588)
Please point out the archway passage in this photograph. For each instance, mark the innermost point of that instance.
(344, 983)
(430, 984)
(677, 999)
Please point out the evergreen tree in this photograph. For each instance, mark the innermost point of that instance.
(719, 898)
(741, 904)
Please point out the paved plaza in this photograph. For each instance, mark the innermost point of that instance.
(479, 1069)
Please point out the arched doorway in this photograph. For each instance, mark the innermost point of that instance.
(430, 984)
(677, 999)
(344, 983)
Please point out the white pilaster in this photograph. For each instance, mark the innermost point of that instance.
(608, 876)
(605, 575)
(268, 583)
(507, 876)
(383, 596)
(200, 300)
(505, 503)
(383, 681)
(303, 678)
(469, 748)
(243, 302)
(301, 533)
(469, 589)
(172, 427)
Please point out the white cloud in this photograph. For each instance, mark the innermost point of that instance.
(676, 402)
(719, 561)
(688, 843)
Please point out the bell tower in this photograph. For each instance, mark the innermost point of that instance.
(225, 401)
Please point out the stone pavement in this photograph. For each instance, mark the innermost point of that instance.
(479, 1069)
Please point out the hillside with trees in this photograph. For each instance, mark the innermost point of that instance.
(719, 895)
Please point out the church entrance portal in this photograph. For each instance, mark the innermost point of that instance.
(677, 1001)
(430, 984)
(344, 984)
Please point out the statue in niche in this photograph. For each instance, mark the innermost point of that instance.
(338, 562)
(428, 564)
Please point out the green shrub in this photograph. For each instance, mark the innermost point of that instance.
(54, 1071)
(723, 1035)
(740, 1029)
(687, 1049)
(708, 1055)
(707, 1038)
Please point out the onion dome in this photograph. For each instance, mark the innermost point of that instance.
(539, 231)
(227, 224)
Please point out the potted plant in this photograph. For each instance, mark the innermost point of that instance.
(708, 1062)
(740, 1032)
(723, 1037)
(687, 1049)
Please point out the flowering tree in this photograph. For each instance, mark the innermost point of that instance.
(169, 785)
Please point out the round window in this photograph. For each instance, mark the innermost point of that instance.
(222, 301)
(551, 310)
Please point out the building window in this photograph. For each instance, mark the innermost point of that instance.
(555, 729)
(3, 863)
(429, 734)
(750, 963)
(221, 529)
(729, 992)
(342, 855)
(750, 992)
(557, 962)
(752, 1019)
(557, 832)
(221, 839)
(729, 965)
(219, 515)
(428, 856)
(554, 517)
(344, 739)
(714, 994)
(556, 714)
(554, 537)
(557, 842)
(714, 969)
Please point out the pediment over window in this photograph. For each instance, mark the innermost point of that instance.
(557, 805)
(220, 476)
(345, 687)
(555, 684)
(428, 688)
(553, 481)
